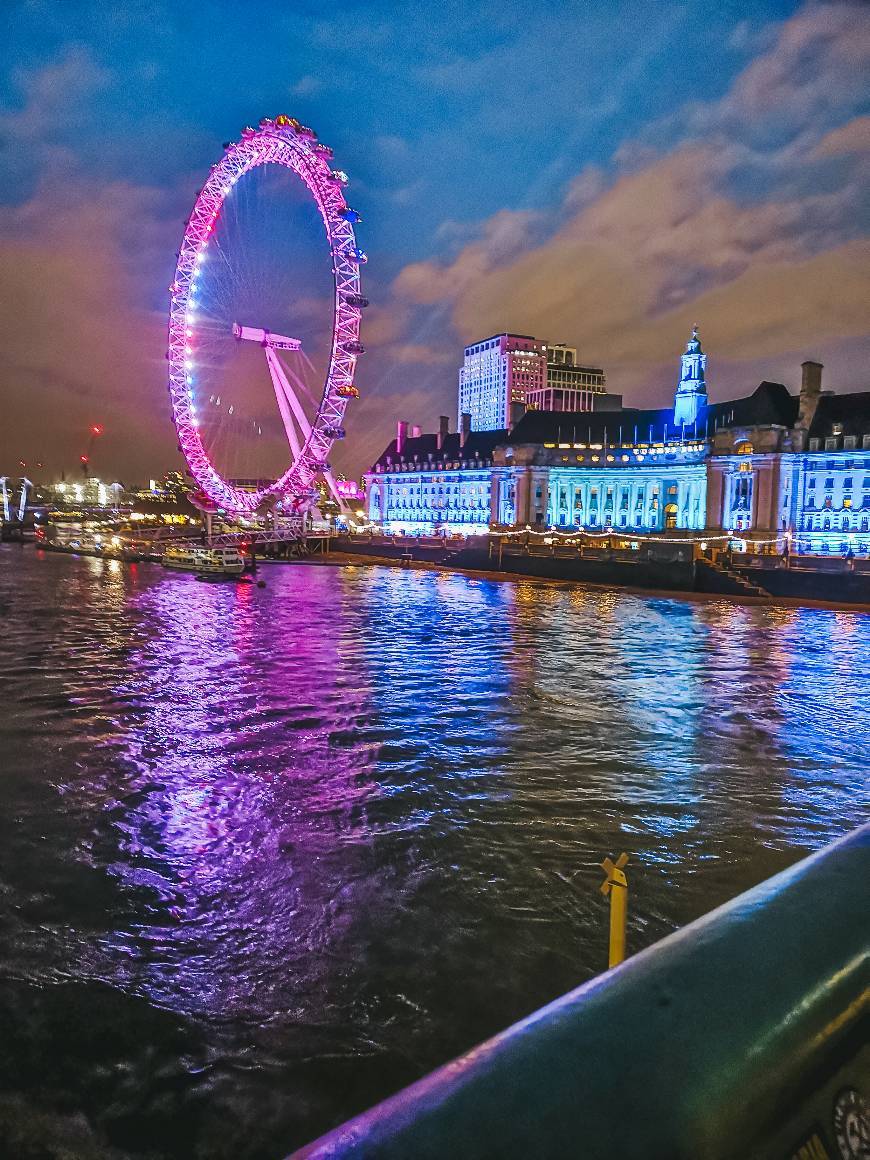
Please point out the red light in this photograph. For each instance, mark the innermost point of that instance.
(83, 458)
(96, 429)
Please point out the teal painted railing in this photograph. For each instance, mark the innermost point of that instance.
(742, 1035)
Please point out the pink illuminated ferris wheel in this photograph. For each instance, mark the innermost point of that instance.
(311, 418)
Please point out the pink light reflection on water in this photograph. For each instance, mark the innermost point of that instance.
(243, 798)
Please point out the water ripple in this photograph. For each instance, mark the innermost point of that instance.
(268, 854)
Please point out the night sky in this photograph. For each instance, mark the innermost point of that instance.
(598, 174)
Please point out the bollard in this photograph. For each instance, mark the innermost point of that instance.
(616, 885)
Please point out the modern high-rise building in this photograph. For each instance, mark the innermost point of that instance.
(496, 373)
(569, 386)
(509, 369)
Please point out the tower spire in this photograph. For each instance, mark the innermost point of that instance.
(691, 395)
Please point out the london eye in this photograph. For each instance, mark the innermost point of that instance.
(256, 412)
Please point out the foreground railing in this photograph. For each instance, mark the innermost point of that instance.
(742, 1035)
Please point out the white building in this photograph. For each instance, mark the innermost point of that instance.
(496, 373)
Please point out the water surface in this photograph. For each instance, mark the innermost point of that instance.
(267, 855)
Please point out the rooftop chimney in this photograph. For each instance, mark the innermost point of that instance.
(811, 389)
(416, 432)
(443, 429)
(401, 436)
(464, 427)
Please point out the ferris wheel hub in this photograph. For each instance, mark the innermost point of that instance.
(266, 338)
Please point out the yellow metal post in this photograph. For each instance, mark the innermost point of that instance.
(616, 886)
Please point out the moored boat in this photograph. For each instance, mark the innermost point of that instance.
(209, 561)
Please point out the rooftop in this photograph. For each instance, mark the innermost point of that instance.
(478, 445)
(850, 412)
(770, 404)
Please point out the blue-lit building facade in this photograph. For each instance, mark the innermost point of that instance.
(800, 471)
(633, 470)
(433, 483)
(787, 470)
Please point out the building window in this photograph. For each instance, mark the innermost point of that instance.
(847, 482)
(745, 448)
(811, 482)
(814, 445)
(831, 444)
(849, 442)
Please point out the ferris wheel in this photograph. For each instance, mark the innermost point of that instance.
(311, 418)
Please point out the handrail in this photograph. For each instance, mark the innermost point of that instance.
(705, 1045)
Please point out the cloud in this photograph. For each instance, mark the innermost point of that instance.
(853, 137)
(52, 98)
(504, 235)
(306, 86)
(748, 38)
(632, 257)
(817, 63)
(83, 349)
(746, 212)
(420, 354)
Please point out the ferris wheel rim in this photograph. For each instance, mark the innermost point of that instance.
(282, 142)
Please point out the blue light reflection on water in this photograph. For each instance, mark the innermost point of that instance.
(345, 826)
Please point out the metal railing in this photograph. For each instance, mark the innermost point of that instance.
(738, 1036)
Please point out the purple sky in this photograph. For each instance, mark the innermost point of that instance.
(561, 175)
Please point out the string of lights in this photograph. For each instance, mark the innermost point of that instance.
(702, 540)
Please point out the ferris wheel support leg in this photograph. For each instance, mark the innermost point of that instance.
(289, 394)
(22, 507)
(278, 382)
(333, 487)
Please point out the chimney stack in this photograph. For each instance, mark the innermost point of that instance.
(443, 430)
(464, 427)
(401, 436)
(811, 389)
(416, 432)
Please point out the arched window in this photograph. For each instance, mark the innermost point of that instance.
(670, 515)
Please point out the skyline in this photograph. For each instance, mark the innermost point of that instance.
(717, 174)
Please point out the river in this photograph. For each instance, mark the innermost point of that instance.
(268, 854)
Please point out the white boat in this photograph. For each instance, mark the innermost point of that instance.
(210, 561)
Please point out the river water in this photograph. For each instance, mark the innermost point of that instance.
(267, 855)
